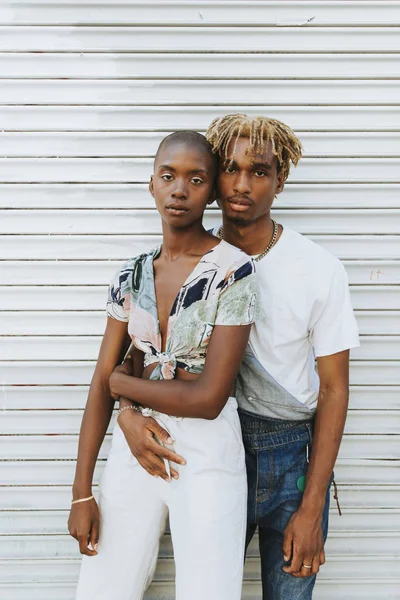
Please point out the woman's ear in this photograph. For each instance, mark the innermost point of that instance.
(151, 186)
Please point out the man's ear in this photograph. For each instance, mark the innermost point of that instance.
(280, 185)
(151, 186)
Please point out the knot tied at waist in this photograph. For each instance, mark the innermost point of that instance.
(166, 366)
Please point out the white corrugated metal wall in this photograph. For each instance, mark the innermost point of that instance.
(87, 90)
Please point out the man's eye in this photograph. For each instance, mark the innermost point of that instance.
(166, 177)
(259, 173)
(229, 169)
(197, 180)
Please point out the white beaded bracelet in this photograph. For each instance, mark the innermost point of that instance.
(130, 407)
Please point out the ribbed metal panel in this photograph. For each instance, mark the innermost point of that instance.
(87, 90)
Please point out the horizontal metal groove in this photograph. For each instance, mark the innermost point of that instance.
(117, 262)
(199, 105)
(145, 209)
(134, 182)
(144, 24)
(184, 50)
(218, 78)
(151, 156)
(375, 361)
(221, 104)
(94, 336)
(197, 79)
(151, 233)
(150, 131)
(198, 26)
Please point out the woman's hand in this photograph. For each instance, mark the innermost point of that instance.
(84, 525)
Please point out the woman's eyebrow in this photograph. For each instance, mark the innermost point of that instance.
(191, 172)
(169, 167)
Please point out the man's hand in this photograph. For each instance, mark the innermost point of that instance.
(139, 432)
(303, 543)
(126, 369)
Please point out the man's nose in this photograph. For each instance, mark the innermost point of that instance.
(242, 183)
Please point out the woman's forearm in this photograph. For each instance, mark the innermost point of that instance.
(96, 419)
(176, 397)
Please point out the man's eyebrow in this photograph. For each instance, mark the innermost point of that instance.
(198, 171)
(255, 165)
(263, 165)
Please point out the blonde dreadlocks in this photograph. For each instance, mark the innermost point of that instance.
(261, 131)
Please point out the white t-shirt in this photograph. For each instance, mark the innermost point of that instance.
(305, 297)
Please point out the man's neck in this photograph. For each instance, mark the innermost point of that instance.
(251, 238)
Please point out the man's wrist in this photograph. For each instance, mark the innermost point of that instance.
(112, 382)
(314, 501)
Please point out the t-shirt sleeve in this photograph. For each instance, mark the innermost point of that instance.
(117, 301)
(238, 302)
(335, 328)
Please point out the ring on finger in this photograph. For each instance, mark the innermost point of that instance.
(307, 566)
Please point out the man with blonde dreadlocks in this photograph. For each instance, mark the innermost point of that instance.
(292, 419)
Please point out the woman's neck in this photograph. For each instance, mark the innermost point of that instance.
(177, 242)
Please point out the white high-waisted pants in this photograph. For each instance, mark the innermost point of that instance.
(207, 513)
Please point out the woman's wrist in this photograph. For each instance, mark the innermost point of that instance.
(124, 402)
(126, 416)
(81, 489)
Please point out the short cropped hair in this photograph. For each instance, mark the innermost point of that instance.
(261, 131)
(190, 138)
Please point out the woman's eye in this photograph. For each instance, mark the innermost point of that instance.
(197, 180)
(166, 177)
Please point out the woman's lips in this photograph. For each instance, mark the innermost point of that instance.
(177, 210)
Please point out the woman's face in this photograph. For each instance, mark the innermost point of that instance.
(182, 184)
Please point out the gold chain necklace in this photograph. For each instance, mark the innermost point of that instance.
(271, 243)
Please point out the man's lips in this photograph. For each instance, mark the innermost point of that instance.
(239, 204)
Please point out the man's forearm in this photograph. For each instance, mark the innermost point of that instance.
(329, 424)
(176, 397)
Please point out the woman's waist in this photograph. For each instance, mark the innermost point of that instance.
(231, 403)
(151, 372)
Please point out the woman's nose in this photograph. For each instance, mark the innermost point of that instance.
(179, 190)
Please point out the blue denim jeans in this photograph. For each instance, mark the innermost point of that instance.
(276, 461)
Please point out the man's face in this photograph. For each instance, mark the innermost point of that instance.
(247, 186)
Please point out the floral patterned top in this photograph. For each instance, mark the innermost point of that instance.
(221, 290)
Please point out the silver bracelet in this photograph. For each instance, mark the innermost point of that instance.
(130, 407)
